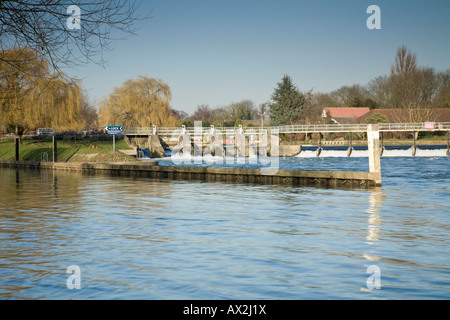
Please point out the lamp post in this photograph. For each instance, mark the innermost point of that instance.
(262, 108)
(262, 119)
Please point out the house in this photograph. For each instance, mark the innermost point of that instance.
(408, 116)
(344, 115)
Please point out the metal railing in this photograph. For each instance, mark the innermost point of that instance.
(311, 128)
(427, 126)
(308, 128)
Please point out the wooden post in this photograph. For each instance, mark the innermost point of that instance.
(319, 148)
(373, 139)
(414, 148)
(381, 144)
(350, 148)
(16, 142)
(55, 149)
(448, 143)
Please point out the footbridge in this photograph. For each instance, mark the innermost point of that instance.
(223, 139)
(172, 136)
(307, 128)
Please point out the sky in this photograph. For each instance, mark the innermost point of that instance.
(216, 52)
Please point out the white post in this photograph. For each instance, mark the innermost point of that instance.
(373, 139)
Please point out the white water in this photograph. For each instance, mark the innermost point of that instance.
(365, 153)
(181, 159)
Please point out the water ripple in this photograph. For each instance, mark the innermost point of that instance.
(136, 238)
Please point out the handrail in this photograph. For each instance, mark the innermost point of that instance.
(306, 128)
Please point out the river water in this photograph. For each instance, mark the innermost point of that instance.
(137, 238)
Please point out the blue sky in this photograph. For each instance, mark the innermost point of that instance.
(217, 52)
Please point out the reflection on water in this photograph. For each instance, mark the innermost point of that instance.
(375, 203)
(136, 238)
(374, 223)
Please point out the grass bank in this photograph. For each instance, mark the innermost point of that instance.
(68, 151)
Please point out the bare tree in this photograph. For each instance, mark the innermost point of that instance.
(405, 63)
(414, 88)
(221, 116)
(443, 97)
(403, 78)
(44, 26)
(203, 113)
(314, 105)
(243, 110)
(381, 91)
(350, 96)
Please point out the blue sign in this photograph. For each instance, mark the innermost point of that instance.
(114, 129)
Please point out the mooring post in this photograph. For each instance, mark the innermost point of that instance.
(16, 142)
(319, 148)
(373, 143)
(381, 144)
(448, 143)
(55, 149)
(350, 148)
(414, 148)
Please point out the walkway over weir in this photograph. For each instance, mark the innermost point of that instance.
(307, 128)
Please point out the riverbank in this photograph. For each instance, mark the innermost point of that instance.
(68, 151)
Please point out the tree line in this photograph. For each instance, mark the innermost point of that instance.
(34, 95)
(35, 45)
(415, 90)
(224, 116)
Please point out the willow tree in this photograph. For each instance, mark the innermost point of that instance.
(31, 96)
(143, 102)
(61, 105)
(15, 84)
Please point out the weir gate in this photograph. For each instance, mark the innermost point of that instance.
(268, 137)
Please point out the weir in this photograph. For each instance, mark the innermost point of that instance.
(268, 145)
(264, 175)
(169, 137)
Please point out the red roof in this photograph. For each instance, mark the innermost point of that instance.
(346, 112)
(402, 115)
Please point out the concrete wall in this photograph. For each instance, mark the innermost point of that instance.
(151, 169)
(289, 150)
